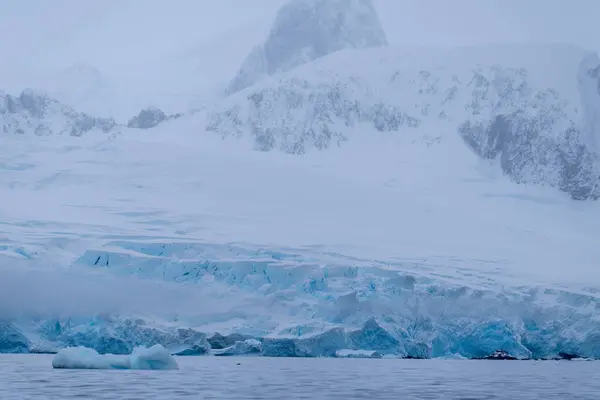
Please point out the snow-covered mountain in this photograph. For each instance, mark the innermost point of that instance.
(39, 114)
(306, 30)
(531, 109)
(381, 215)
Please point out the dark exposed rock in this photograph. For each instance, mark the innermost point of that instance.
(39, 114)
(328, 110)
(528, 155)
(567, 356)
(247, 347)
(149, 118)
(306, 30)
(373, 337)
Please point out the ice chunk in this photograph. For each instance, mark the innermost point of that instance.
(121, 336)
(328, 343)
(155, 357)
(320, 345)
(306, 30)
(499, 355)
(149, 118)
(347, 353)
(85, 358)
(246, 347)
(374, 336)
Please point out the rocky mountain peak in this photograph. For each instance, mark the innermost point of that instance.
(305, 30)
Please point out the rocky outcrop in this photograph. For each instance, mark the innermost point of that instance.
(540, 124)
(149, 118)
(305, 30)
(35, 113)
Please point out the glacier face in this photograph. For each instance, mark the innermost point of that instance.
(321, 305)
(103, 333)
(306, 30)
(11, 339)
(39, 114)
(336, 303)
(539, 123)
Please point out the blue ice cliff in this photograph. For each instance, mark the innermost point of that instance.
(321, 308)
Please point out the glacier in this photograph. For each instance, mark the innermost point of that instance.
(33, 112)
(153, 358)
(422, 251)
(305, 30)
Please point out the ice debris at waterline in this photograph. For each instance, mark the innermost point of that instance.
(347, 353)
(155, 358)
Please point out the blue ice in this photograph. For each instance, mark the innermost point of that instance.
(153, 358)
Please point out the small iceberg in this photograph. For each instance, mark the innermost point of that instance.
(154, 358)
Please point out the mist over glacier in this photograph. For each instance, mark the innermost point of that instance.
(350, 196)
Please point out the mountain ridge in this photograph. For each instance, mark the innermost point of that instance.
(505, 103)
(306, 30)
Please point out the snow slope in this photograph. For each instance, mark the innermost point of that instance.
(402, 247)
(533, 110)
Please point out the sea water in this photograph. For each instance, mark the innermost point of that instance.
(32, 377)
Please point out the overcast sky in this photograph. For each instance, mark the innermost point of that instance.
(121, 36)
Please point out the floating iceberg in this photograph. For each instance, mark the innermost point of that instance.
(155, 358)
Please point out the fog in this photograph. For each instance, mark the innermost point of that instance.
(141, 39)
(31, 289)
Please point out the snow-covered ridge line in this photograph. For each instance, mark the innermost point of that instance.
(531, 109)
(36, 113)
